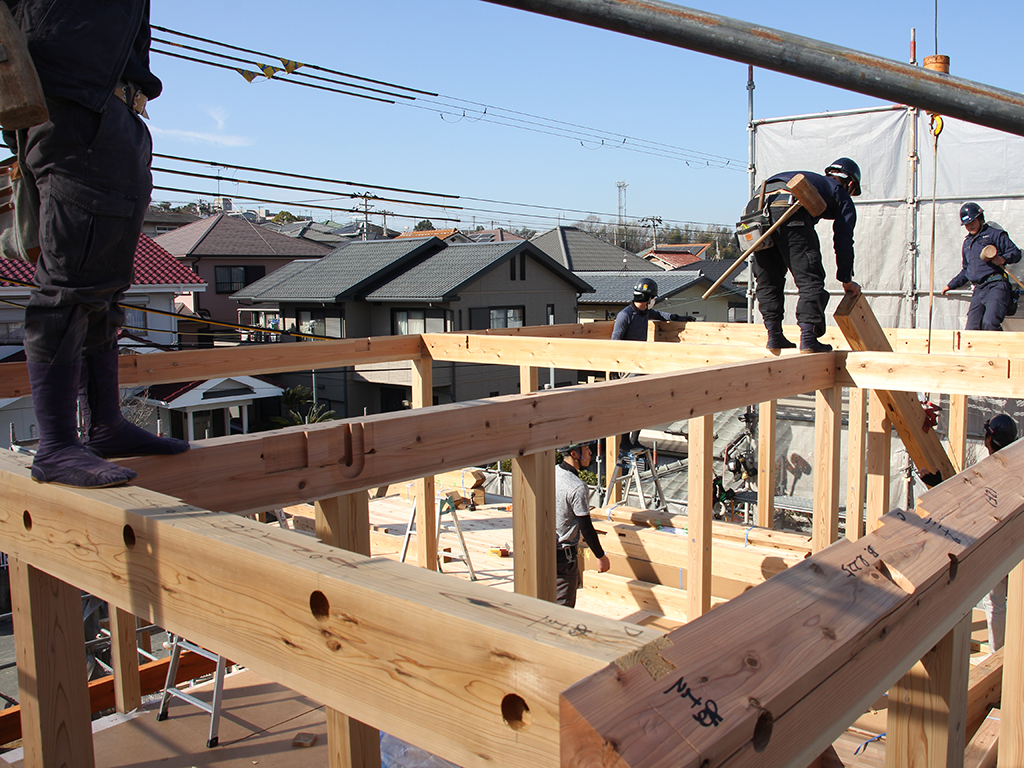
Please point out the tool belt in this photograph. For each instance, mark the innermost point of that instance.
(133, 97)
(991, 279)
(757, 216)
(566, 554)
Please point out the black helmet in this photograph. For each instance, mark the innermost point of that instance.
(845, 168)
(1002, 430)
(969, 212)
(645, 290)
(591, 444)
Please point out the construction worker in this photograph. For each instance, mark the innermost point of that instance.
(89, 165)
(795, 247)
(572, 520)
(631, 322)
(1000, 431)
(992, 292)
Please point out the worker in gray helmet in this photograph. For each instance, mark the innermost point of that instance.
(985, 253)
(1000, 431)
(572, 521)
(795, 249)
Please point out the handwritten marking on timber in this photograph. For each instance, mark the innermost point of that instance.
(706, 717)
(992, 497)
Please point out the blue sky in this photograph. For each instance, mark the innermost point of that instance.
(477, 52)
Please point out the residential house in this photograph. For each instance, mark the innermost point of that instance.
(195, 410)
(159, 222)
(493, 236)
(679, 292)
(417, 285)
(448, 235)
(580, 251)
(229, 253)
(150, 317)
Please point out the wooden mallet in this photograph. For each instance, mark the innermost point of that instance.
(988, 253)
(806, 197)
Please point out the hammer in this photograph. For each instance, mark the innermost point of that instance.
(988, 253)
(806, 197)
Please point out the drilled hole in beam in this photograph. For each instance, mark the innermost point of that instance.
(26, 520)
(319, 605)
(515, 712)
(763, 731)
(129, 537)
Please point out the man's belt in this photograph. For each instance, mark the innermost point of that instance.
(991, 279)
(133, 97)
(566, 554)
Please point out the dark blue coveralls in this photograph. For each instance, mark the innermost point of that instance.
(796, 248)
(992, 290)
(90, 162)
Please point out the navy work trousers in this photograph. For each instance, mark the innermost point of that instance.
(795, 248)
(93, 177)
(988, 306)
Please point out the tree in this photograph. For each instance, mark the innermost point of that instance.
(424, 226)
(525, 232)
(293, 399)
(285, 217)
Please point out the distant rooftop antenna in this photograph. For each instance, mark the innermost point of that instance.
(622, 209)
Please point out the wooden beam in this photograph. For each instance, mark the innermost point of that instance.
(928, 706)
(983, 749)
(272, 469)
(124, 656)
(766, 464)
(828, 424)
(700, 510)
(863, 332)
(879, 467)
(832, 633)
(956, 374)
(451, 666)
(958, 431)
(344, 522)
(671, 602)
(188, 365)
(426, 490)
(533, 524)
(529, 379)
(52, 687)
(856, 468)
(985, 689)
(1011, 730)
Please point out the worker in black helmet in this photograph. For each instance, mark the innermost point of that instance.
(1000, 431)
(631, 322)
(795, 248)
(992, 291)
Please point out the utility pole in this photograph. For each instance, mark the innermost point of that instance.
(654, 221)
(622, 211)
(384, 215)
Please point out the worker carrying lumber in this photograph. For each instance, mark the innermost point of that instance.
(572, 520)
(88, 166)
(985, 253)
(1000, 431)
(795, 247)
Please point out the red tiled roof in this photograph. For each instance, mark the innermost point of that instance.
(153, 266)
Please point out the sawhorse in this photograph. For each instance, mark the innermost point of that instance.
(444, 504)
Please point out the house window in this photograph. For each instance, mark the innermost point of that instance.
(551, 314)
(406, 321)
(507, 317)
(319, 322)
(522, 266)
(737, 312)
(232, 279)
(12, 333)
(135, 320)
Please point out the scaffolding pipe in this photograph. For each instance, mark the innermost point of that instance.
(793, 55)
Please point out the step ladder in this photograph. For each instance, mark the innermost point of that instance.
(444, 505)
(170, 689)
(629, 467)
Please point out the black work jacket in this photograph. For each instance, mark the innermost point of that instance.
(82, 49)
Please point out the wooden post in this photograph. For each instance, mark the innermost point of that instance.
(828, 414)
(856, 432)
(611, 444)
(426, 506)
(958, 431)
(529, 379)
(700, 515)
(878, 466)
(1011, 730)
(533, 524)
(124, 656)
(766, 464)
(55, 718)
(928, 706)
(344, 522)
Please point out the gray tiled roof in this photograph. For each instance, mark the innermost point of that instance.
(617, 288)
(441, 276)
(223, 235)
(580, 251)
(339, 274)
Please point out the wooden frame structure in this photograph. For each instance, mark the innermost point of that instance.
(483, 677)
